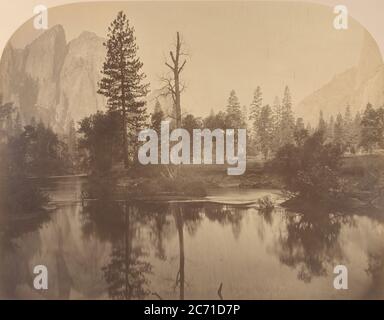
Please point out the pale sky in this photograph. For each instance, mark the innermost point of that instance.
(214, 44)
(368, 12)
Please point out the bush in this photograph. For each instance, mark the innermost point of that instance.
(311, 170)
(265, 204)
(19, 195)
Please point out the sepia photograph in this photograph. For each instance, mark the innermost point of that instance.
(192, 150)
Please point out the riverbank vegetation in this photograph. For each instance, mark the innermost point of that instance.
(23, 152)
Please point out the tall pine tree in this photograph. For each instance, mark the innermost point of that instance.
(72, 139)
(256, 105)
(348, 127)
(338, 131)
(122, 82)
(234, 117)
(330, 129)
(265, 130)
(287, 124)
(356, 132)
(277, 116)
(157, 117)
(322, 124)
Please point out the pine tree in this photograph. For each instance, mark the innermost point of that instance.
(309, 128)
(254, 114)
(244, 116)
(299, 124)
(233, 110)
(322, 126)
(209, 122)
(372, 128)
(277, 116)
(348, 127)
(287, 120)
(330, 128)
(300, 133)
(18, 127)
(72, 140)
(356, 132)
(157, 117)
(122, 82)
(276, 108)
(265, 130)
(256, 105)
(338, 131)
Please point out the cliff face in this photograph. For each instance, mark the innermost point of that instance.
(78, 78)
(53, 80)
(355, 87)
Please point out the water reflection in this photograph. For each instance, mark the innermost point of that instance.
(103, 248)
(13, 258)
(310, 243)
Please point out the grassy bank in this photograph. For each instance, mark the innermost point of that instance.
(362, 177)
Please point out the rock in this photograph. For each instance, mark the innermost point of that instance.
(79, 76)
(53, 80)
(355, 87)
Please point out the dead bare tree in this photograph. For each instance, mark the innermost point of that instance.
(173, 85)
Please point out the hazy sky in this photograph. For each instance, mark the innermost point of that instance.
(231, 45)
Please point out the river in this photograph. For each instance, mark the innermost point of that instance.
(223, 247)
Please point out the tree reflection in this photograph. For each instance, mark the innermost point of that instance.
(310, 243)
(226, 215)
(179, 221)
(191, 216)
(14, 268)
(159, 224)
(136, 228)
(126, 271)
(376, 271)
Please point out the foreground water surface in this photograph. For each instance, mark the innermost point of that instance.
(222, 248)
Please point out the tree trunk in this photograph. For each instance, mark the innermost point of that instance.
(125, 141)
(180, 227)
(176, 69)
(124, 111)
(177, 83)
(127, 253)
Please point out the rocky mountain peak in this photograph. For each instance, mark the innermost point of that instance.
(356, 87)
(53, 80)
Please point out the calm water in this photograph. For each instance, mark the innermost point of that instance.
(104, 249)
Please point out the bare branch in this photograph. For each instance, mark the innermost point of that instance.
(183, 87)
(169, 66)
(219, 291)
(157, 295)
(172, 56)
(181, 68)
(170, 116)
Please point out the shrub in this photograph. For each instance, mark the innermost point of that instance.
(311, 170)
(265, 204)
(19, 195)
